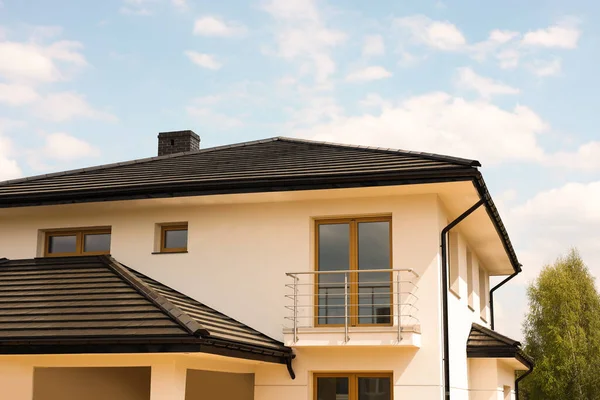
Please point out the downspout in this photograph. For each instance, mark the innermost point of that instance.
(519, 379)
(446, 359)
(498, 286)
(288, 364)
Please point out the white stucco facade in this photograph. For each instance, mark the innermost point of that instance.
(239, 250)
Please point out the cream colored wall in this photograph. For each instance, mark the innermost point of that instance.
(238, 256)
(130, 383)
(205, 385)
(414, 371)
(488, 377)
(238, 250)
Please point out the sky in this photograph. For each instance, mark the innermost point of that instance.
(512, 84)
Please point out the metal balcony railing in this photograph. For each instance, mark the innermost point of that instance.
(352, 298)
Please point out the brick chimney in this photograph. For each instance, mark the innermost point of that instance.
(177, 142)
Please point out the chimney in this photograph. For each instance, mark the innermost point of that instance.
(177, 142)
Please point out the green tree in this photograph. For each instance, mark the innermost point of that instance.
(562, 333)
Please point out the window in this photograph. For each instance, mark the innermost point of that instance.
(78, 242)
(483, 293)
(470, 272)
(454, 262)
(348, 245)
(353, 386)
(173, 238)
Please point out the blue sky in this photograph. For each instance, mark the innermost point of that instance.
(510, 83)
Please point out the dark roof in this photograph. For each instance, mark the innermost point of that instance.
(277, 160)
(484, 342)
(66, 304)
(270, 165)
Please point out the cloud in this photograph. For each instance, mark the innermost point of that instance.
(373, 45)
(585, 158)
(508, 58)
(64, 147)
(137, 7)
(439, 122)
(180, 4)
(9, 168)
(203, 60)
(213, 119)
(486, 87)
(214, 26)
(564, 34)
(64, 106)
(546, 68)
(553, 221)
(14, 94)
(371, 73)
(302, 36)
(29, 62)
(440, 35)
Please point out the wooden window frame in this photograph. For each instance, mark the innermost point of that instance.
(352, 381)
(353, 259)
(79, 241)
(163, 238)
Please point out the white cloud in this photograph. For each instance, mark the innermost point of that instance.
(371, 73)
(64, 106)
(554, 220)
(63, 147)
(15, 94)
(137, 7)
(373, 46)
(585, 158)
(213, 119)
(440, 35)
(301, 35)
(180, 4)
(203, 60)
(214, 26)
(9, 168)
(500, 36)
(546, 68)
(563, 35)
(439, 122)
(28, 62)
(508, 58)
(486, 87)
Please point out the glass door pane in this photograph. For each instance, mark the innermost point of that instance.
(374, 388)
(333, 388)
(374, 288)
(334, 255)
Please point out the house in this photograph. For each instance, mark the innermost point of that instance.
(267, 270)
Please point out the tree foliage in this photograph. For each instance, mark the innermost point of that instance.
(562, 333)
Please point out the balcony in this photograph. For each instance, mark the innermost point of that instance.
(373, 307)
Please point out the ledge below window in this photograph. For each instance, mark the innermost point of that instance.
(170, 252)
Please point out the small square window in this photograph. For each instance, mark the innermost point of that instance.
(173, 238)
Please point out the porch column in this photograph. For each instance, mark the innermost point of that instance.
(167, 382)
(16, 381)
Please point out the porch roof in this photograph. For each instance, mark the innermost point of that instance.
(94, 304)
(486, 343)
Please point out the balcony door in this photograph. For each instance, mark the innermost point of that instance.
(346, 250)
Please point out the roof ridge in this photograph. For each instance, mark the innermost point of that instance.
(410, 153)
(135, 161)
(415, 154)
(175, 313)
(496, 335)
